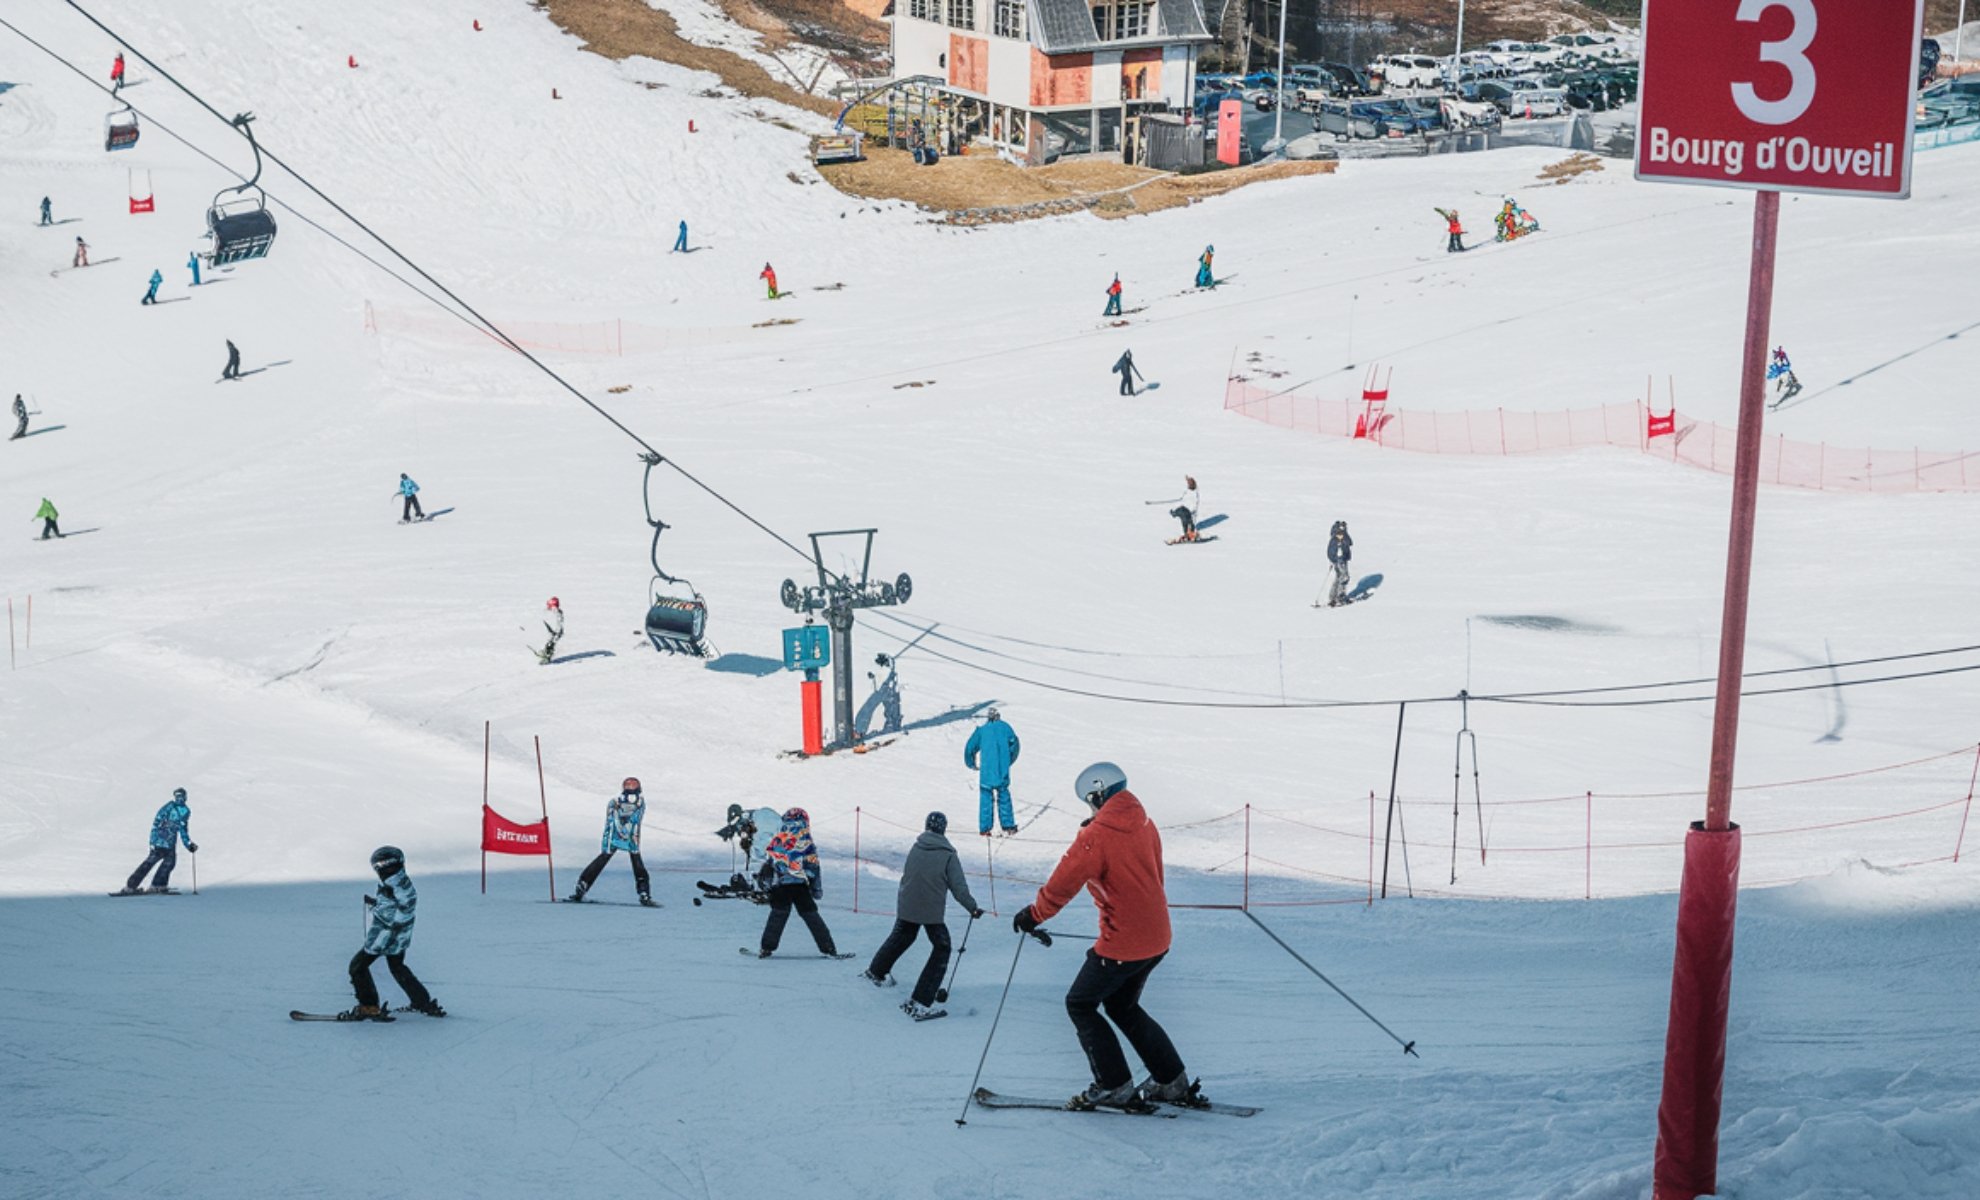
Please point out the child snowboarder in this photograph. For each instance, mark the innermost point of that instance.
(47, 515)
(769, 276)
(790, 874)
(151, 296)
(553, 625)
(1117, 858)
(20, 418)
(1514, 222)
(991, 751)
(233, 367)
(932, 874)
(410, 491)
(680, 242)
(192, 261)
(1782, 373)
(1204, 276)
(1125, 368)
(1184, 510)
(622, 817)
(172, 825)
(82, 254)
(389, 937)
(1454, 228)
(1113, 297)
(47, 211)
(1340, 548)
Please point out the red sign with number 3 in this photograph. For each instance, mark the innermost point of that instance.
(1788, 95)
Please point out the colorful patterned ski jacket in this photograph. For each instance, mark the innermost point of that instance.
(792, 858)
(172, 824)
(392, 917)
(622, 816)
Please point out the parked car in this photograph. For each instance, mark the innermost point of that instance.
(1428, 108)
(1409, 70)
(1592, 45)
(1400, 116)
(1468, 114)
(1349, 80)
(1349, 122)
(1537, 102)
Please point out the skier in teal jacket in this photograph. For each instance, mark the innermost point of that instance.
(172, 825)
(991, 751)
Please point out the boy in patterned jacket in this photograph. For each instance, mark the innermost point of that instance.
(389, 937)
(622, 817)
(790, 874)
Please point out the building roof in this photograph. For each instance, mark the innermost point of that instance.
(1066, 26)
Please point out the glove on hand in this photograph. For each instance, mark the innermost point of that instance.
(1024, 921)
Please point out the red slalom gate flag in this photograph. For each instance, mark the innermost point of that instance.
(499, 835)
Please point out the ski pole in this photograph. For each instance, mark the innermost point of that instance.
(195, 871)
(1409, 1048)
(942, 993)
(977, 1078)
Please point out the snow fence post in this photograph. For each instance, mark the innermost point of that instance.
(1371, 847)
(1588, 861)
(992, 861)
(857, 817)
(1247, 858)
(1968, 810)
(484, 804)
(543, 801)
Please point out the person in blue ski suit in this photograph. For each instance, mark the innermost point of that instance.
(192, 260)
(680, 243)
(622, 817)
(47, 211)
(990, 752)
(1204, 275)
(791, 876)
(389, 937)
(151, 296)
(172, 825)
(410, 508)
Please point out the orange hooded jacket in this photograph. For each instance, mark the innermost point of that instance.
(1117, 858)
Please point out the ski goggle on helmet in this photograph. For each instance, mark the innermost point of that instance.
(630, 785)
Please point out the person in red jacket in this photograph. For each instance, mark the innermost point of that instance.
(1117, 857)
(117, 74)
(769, 276)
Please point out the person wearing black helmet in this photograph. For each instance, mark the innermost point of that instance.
(1340, 549)
(791, 876)
(930, 876)
(389, 937)
(623, 814)
(172, 825)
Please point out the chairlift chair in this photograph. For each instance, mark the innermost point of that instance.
(675, 624)
(120, 129)
(241, 228)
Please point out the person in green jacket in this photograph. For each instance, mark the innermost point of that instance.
(47, 515)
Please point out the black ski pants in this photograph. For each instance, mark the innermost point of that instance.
(1116, 986)
(233, 368)
(165, 857)
(21, 426)
(640, 879)
(1187, 518)
(410, 508)
(367, 991)
(785, 897)
(48, 526)
(1457, 244)
(897, 944)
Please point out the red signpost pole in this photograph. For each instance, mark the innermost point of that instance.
(543, 799)
(484, 806)
(1687, 1156)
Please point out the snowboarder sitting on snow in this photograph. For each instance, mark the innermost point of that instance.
(1204, 277)
(82, 254)
(553, 624)
(151, 296)
(410, 491)
(1125, 368)
(991, 751)
(1117, 858)
(769, 276)
(172, 825)
(1185, 509)
(790, 874)
(1454, 227)
(389, 937)
(1340, 548)
(47, 211)
(1113, 298)
(20, 418)
(233, 368)
(1782, 373)
(47, 515)
(931, 875)
(622, 817)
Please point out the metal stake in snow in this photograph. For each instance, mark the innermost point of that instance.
(1409, 1048)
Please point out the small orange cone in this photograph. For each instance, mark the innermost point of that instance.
(352, 60)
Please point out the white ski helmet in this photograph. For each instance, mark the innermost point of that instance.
(1098, 783)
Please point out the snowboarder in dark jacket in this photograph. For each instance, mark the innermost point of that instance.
(233, 368)
(47, 211)
(1124, 367)
(389, 937)
(622, 817)
(20, 418)
(172, 825)
(932, 874)
(1340, 548)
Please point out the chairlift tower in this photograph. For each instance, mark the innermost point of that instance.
(838, 598)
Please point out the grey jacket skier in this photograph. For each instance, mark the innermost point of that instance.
(20, 418)
(932, 874)
(389, 937)
(1340, 548)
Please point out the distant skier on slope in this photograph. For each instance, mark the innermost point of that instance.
(1454, 228)
(623, 814)
(390, 936)
(117, 74)
(233, 368)
(769, 276)
(20, 418)
(1781, 371)
(932, 874)
(552, 618)
(1514, 222)
(992, 750)
(1125, 368)
(82, 254)
(47, 211)
(1113, 297)
(1184, 510)
(1117, 858)
(192, 261)
(680, 241)
(151, 295)
(172, 825)
(48, 517)
(1340, 549)
(1204, 276)
(407, 489)
(791, 875)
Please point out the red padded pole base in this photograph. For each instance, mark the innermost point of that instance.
(1687, 1162)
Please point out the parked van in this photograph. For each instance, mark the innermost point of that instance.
(1537, 102)
(1408, 70)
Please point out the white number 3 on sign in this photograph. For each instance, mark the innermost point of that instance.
(1789, 53)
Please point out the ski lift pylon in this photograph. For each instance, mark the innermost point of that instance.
(241, 228)
(674, 624)
(120, 129)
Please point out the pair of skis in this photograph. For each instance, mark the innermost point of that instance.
(748, 952)
(988, 1099)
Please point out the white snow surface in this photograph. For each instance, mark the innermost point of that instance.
(248, 621)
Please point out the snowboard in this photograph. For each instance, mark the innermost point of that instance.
(298, 1015)
(146, 892)
(752, 953)
(1177, 541)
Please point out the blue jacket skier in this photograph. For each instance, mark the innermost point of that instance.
(990, 751)
(410, 508)
(389, 937)
(172, 825)
(622, 817)
(151, 297)
(791, 875)
(47, 212)
(1204, 276)
(192, 260)
(680, 243)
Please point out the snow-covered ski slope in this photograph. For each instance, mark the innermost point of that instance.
(247, 620)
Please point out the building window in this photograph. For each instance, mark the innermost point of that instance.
(962, 14)
(1010, 19)
(925, 10)
(1120, 20)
